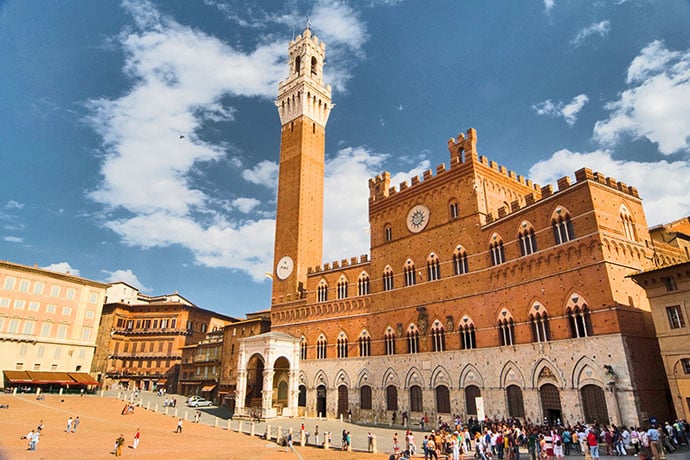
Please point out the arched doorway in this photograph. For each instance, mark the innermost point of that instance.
(391, 397)
(302, 396)
(471, 392)
(516, 405)
(442, 399)
(281, 380)
(255, 382)
(550, 403)
(321, 401)
(594, 404)
(343, 404)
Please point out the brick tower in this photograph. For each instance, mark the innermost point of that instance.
(304, 103)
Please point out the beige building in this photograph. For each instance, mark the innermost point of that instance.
(668, 289)
(48, 325)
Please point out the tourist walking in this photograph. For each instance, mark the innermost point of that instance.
(179, 426)
(119, 442)
(69, 425)
(75, 424)
(137, 437)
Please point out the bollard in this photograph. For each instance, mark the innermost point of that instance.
(215, 422)
(60, 391)
(279, 435)
(239, 426)
(268, 432)
(166, 410)
(14, 391)
(185, 417)
(341, 418)
(302, 440)
(229, 421)
(251, 429)
(155, 409)
(148, 405)
(102, 393)
(326, 443)
(373, 445)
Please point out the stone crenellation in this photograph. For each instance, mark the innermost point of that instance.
(463, 150)
(351, 262)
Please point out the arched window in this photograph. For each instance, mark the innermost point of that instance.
(506, 328)
(454, 210)
(416, 402)
(580, 323)
(389, 341)
(412, 340)
(498, 253)
(321, 347)
(364, 344)
(365, 397)
(438, 337)
(527, 239)
(562, 226)
(342, 345)
(387, 279)
(433, 268)
(342, 288)
(468, 340)
(387, 233)
(442, 399)
(322, 291)
(460, 266)
(314, 66)
(410, 275)
(303, 348)
(539, 322)
(298, 64)
(363, 284)
(628, 224)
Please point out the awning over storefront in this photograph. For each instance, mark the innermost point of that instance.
(207, 388)
(83, 378)
(17, 377)
(162, 381)
(48, 378)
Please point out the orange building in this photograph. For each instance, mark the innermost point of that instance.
(48, 325)
(140, 338)
(480, 283)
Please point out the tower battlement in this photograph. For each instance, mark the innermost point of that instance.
(339, 264)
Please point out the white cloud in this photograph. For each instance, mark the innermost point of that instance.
(655, 106)
(346, 206)
(567, 111)
(126, 276)
(662, 185)
(13, 239)
(62, 267)
(549, 4)
(14, 205)
(245, 205)
(264, 173)
(181, 78)
(599, 28)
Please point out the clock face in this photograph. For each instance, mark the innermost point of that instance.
(284, 267)
(417, 218)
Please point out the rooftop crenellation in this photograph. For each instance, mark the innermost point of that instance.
(343, 263)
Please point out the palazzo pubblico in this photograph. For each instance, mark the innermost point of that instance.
(479, 283)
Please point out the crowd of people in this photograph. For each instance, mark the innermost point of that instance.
(504, 440)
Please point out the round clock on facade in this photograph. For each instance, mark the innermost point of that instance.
(417, 218)
(284, 267)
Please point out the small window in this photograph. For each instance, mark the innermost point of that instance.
(669, 283)
(55, 291)
(675, 317)
(685, 363)
(388, 233)
(24, 286)
(322, 292)
(454, 213)
(9, 282)
(498, 253)
(71, 292)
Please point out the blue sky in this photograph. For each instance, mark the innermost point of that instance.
(140, 140)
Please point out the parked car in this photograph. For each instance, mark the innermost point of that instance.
(194, 398)
(199, 403)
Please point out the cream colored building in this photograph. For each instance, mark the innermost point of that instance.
(48, 323)
(668, 290)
